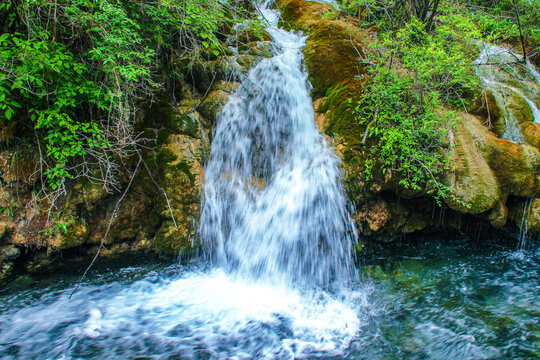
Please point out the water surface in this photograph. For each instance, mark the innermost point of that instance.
(432, 300)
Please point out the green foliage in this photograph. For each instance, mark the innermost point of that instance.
(9, 210)
(497, 19)
(57, 226)
(422, 74)
(439, 61)
(408, 130)
(72, 73)
(186, 23)
(391, 14)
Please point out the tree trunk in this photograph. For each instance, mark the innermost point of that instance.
(520, 33)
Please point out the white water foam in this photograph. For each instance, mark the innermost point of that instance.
(281, 276)
(274, 209)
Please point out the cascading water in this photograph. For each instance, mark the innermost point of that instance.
(503, 73)
(274, 216)
(279, 283)
(274, 209)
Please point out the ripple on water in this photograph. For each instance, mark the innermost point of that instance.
(470, 305)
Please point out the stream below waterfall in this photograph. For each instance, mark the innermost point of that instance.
(430, 300)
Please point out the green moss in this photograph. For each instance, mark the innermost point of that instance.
(188, 125)
(341, 102)
(172, 240)
(185, 167)
(300, 14)
(212, 105)
(165, 156)
(332, 54)
(72, 235)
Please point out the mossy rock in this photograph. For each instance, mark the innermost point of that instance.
(227, 86)
(516, 167)
(189, 124)
(137, 216)
(19, 165)
(161, 112)
(253, 53)
(9, 253)
(176, 239)
(83, 193)
(520, 108)
(488, 169)
(6, 270)
(474, 186)
(374, 215)
(415, 222)
(180, 160)
(334, 48)
(5, 225)
(485, 105)
(340, 104)
(202, 74)
(301, 14)
(72, 235)
(498, 215)
(212, 106)
(247, 60)
(333, 53)
(531, 133)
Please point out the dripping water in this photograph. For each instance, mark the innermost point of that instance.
(523, 227)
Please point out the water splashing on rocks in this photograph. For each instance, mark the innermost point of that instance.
(278, 283)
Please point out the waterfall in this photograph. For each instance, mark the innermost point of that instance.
(502, 72)
(274, 208)
(279, 283)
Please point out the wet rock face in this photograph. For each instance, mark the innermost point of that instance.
(486, 171)
(375, 213)
(8, 255)
(181, 160)
(212, 105)
(489, 169)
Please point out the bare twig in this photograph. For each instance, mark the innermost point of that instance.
(159, 188)
(101, 245)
